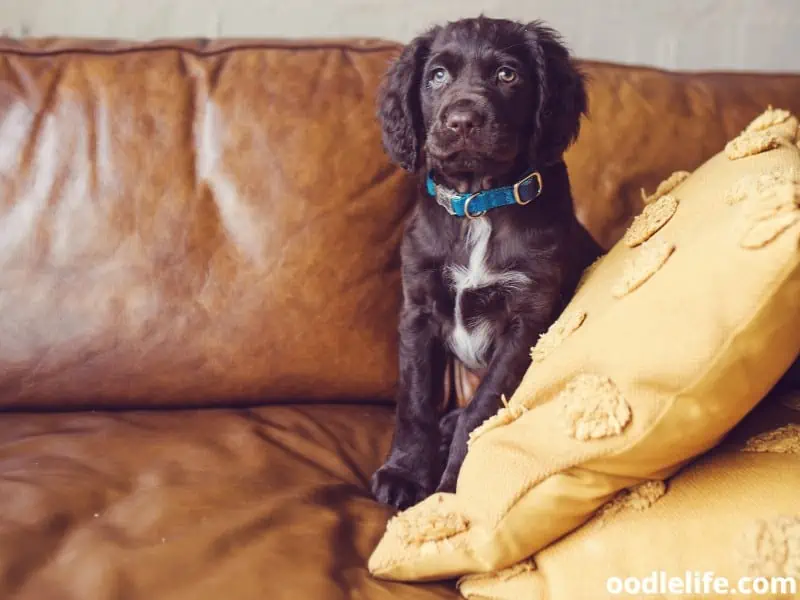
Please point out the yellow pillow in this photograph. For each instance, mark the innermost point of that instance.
(729, 522)
(672, 338)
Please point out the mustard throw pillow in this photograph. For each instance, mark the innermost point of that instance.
(727, 525)
(671, 339)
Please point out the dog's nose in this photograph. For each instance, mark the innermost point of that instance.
(463, 121)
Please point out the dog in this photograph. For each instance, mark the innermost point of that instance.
(483, 110)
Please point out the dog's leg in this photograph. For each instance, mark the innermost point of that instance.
(414, 465)
(447, 429)
(507, 367)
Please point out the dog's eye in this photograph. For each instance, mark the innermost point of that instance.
(506, 75)
(439, 76)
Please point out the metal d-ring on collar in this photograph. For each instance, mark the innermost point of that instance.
(466, 208)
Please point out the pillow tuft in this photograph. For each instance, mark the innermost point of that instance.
(594, 408)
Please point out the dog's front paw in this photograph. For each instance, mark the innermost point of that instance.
(397, 487)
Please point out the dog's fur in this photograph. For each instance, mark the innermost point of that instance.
(478, 103)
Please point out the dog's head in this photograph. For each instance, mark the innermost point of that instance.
(480, 100)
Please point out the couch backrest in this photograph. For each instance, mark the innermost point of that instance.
(195, 224)
(202, 223)
(646, 123)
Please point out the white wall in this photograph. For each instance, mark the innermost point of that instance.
(682, 34)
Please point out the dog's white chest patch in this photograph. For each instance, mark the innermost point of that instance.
(470, 341)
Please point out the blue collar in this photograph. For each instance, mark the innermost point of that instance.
(525, 191)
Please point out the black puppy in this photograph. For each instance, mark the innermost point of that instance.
(485, 108)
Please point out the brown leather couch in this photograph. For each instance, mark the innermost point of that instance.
(198, 291)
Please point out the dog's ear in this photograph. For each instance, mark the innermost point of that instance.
(562, 98)
(399, 110)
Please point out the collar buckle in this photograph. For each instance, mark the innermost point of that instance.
(517, 198)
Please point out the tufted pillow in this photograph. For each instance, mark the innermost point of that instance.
(671, 339)
(734, 513)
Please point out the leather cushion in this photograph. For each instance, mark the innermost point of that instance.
(646, 123)
(271, 502)
(192, 224)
